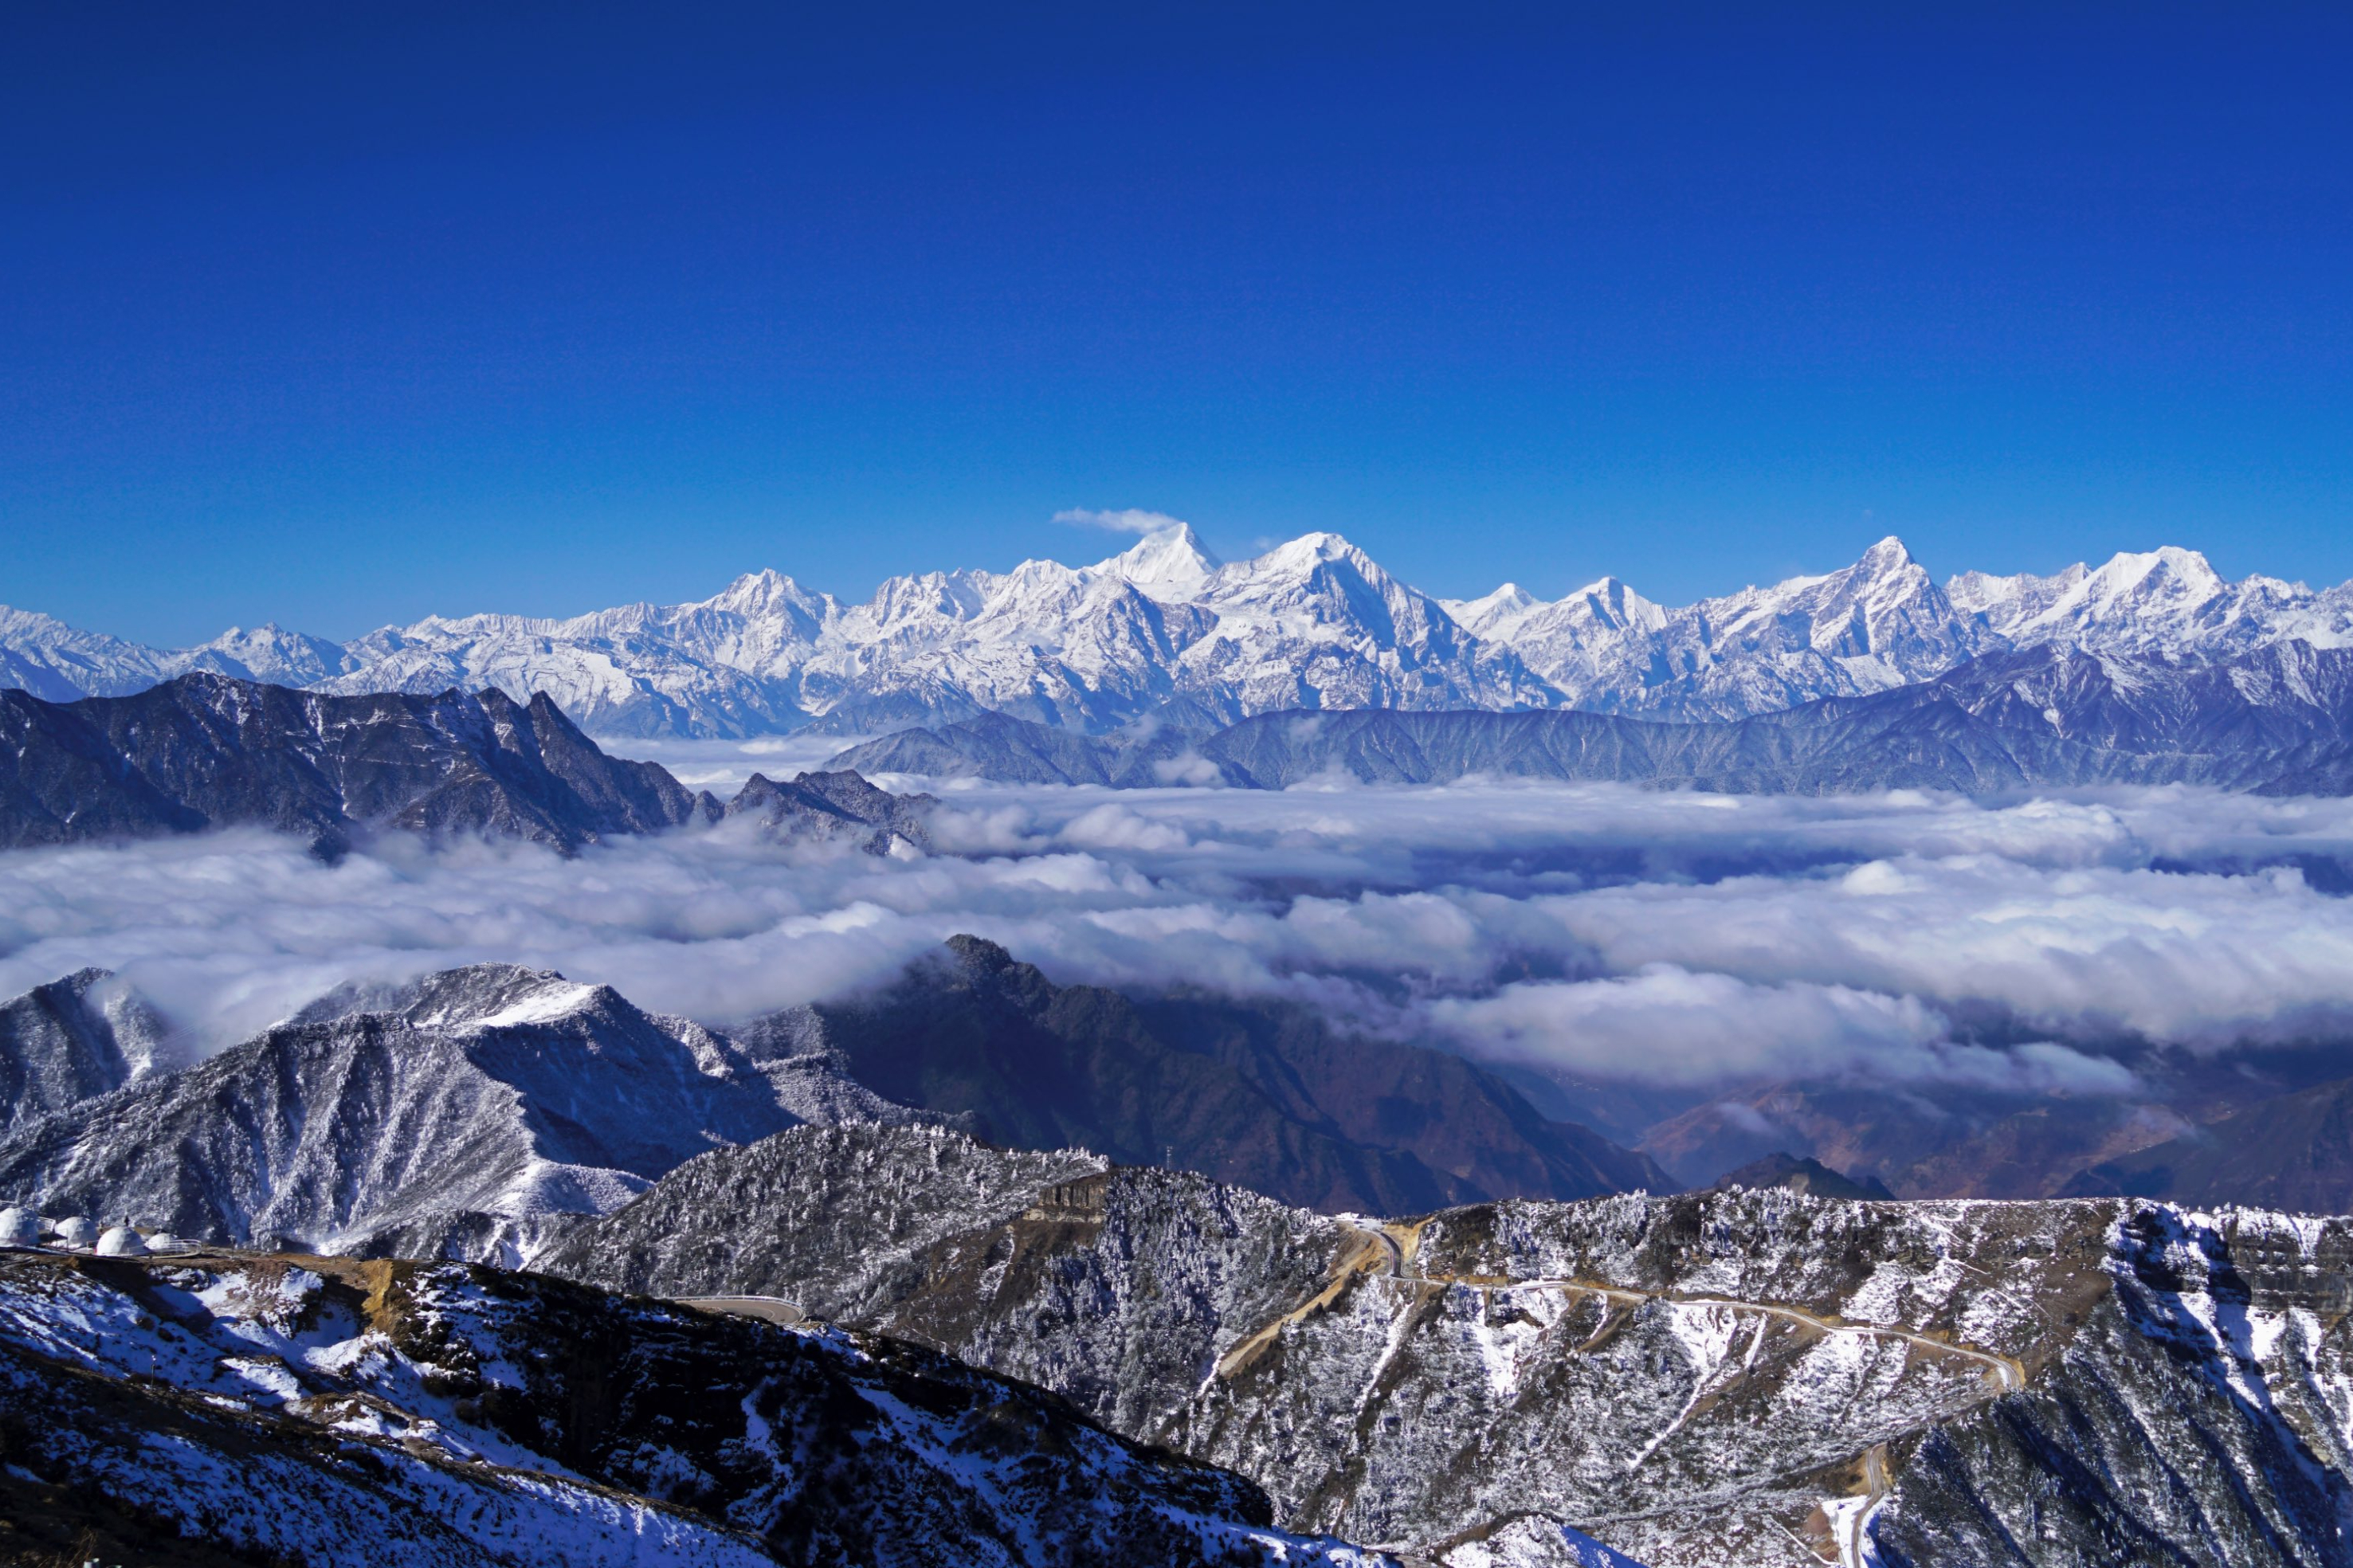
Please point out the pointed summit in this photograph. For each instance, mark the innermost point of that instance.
(1612, 603)
(1167, 563)
(1888, 555)
(1493, 612)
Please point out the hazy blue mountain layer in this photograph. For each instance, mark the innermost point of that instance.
(1261, 1095)
(2276, 721)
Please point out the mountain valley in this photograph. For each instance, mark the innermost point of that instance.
(1404, 1339)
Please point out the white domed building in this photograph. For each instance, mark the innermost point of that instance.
(122, 1241)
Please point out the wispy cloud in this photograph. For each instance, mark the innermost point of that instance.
(1127, 520)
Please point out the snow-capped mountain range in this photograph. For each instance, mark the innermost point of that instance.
(1163, 627)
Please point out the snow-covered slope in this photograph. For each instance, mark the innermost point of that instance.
(74, 1039)
(302, 1409)
(1740, 1379)
(1879, 622)
(2169, 602)
(55, 662)
(463, 1115)
(1164, 626)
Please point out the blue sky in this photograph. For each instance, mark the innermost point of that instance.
(341, 315)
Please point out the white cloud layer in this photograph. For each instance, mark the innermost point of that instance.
(1677, 941)
(1124, 519)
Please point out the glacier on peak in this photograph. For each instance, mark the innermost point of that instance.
(1164, 626)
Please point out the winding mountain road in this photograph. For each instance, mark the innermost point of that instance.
(2009, 1372)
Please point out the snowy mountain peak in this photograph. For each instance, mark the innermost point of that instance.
(765, 592)
(1289, 567)
(476, 996)
(1168, 564)
(1985, 594)
(1311, 623)
(2170, 570)
(2169, 603)
(1888, 556)
(1327, 547)
(1612, 604)
(1491, 614)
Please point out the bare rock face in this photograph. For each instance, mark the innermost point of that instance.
(301, 1408)
(71, 1040)
(1730, 1378)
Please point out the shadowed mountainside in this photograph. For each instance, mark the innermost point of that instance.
(207, 751)
(1262, 1095)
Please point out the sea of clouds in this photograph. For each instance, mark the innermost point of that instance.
(1675, 940)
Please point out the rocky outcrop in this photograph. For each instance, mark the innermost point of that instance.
(307, 1409)
(1734, 1378)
